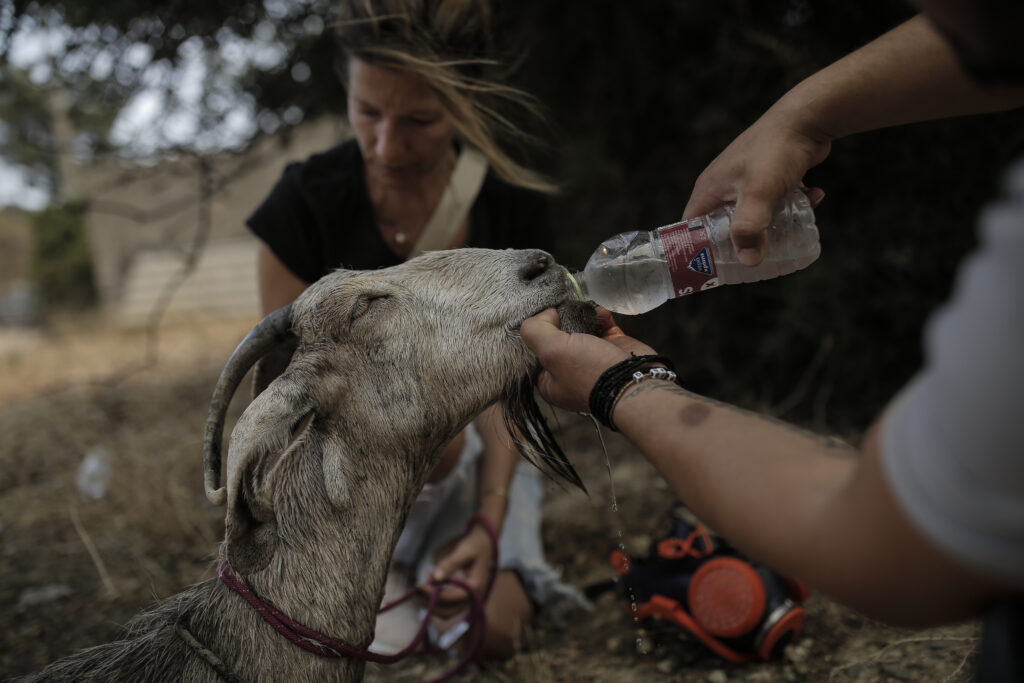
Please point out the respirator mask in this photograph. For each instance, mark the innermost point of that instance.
(737, 607)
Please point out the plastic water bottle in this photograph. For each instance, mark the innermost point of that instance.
(635, 272)
(94, 473)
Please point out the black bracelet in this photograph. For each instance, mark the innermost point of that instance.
(613, 380)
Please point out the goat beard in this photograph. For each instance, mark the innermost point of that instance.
(532, 436)
(522, 414)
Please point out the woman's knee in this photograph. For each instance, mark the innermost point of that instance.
(509, 611)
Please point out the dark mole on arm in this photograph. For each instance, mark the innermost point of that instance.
(694, 414)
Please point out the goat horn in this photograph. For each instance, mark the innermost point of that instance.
(271, 331)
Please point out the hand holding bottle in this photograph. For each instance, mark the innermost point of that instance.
(634, 272)
(756, 171)
(750, 218)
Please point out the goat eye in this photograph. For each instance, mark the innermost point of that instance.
(363, 304)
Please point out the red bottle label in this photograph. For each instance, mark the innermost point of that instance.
(688, 252)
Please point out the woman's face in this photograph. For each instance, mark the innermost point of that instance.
(402, 130)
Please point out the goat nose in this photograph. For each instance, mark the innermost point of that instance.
(537, 263)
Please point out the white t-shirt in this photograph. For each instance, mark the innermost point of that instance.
(953, 441)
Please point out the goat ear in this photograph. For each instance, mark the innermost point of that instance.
(250, 531)
(277, 425)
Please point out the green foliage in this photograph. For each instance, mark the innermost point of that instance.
(26, 137)
(61, 266)
(115, 50)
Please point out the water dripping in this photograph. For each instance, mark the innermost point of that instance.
(608, 468)
(633, 605)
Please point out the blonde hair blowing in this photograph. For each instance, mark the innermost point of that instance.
(448, 44)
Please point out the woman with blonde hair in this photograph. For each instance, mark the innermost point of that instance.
(428, 168)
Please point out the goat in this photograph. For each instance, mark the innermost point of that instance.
(325, 463)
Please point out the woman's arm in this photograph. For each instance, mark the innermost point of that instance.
(472, 553)
(497, 466)
(278, 285)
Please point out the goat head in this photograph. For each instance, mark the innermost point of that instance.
(388, 365)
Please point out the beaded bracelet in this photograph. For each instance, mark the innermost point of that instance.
(637, 377)
(614, 380)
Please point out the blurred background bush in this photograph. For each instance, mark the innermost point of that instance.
(640, 97)
(60, 266)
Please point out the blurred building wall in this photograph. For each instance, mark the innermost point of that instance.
(144, 222)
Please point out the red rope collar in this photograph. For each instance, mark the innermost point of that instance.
(326, 646)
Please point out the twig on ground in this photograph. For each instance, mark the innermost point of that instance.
(93, 553)
(959, 668)
(878, 655)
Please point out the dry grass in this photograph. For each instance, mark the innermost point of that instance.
(86, 349)
(86, 388)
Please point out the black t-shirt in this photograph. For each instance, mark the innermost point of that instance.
(318, 217)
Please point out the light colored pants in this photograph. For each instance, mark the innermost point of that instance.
(440, 515)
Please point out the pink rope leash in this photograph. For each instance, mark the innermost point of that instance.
(326, 646)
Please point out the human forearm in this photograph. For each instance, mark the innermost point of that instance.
(278, 285)
(906, 75)
(497, 466)
(713, 454)
(808, 506)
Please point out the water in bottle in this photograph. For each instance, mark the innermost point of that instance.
(635, 272)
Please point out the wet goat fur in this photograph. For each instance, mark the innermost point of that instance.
(324, 464)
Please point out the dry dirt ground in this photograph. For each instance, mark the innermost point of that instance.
(74, 568)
